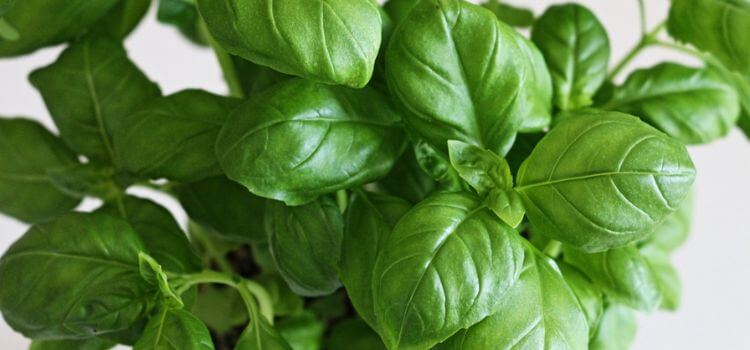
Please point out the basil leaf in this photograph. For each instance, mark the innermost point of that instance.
(576, 47)
(333, 42)
(449, 74)
(302, 332)
(305, 244)
(507, 205)
(667, 277)
(27, 152)
(221, 309)
(261, 335)
(123, 17)
(285, 302)
(692, 105)
(173, 137)
(88, 90)
(81, 180)
(522, 148)
(623, 274)
(84, 344)
(674, 230)
(448, 251)
(183, 15)
(175, 329)
(279, 143)
(539, 312)
(370, 218)
(254, 78)
(537, 91)
(41, 23)
(601, 180)
(437, 165)
(741, 84)
(512, 15)
(617, 329)
(482, 169)
(589, 296)
(397, 10)
(82, 262)
(353, 334)
(5, 5)
(407, 179)
(152, 272)
(715, 26)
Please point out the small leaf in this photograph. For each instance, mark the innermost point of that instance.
(483, 170)
(152, 272)
(437, 166)
(261, 335)
(674, 230)
(512, 15)
(221, 309)
(616, 330)
(667, 277)
(302, 331)
(507, 205)
(285, 301)
(175, 329)
(183, 14)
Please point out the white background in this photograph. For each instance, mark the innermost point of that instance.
(713, 265)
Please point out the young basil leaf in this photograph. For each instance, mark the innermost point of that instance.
(623, 274)
(333, 42)
(407, 179)
(303, 331)
(261, 335)
(507, 205)
(589, 296)
(27, 152)
(539, 312)
(370, 218)
(674, 230)
(285, 301)
(84, 344)
(397, 10)
(616, 330)
(160, 233)
(512, 15)
(41, 23)
(459, 78)
(305, 243)
(279, 144)
(437, 165)
(450, 250)
(175, 329)
(81, 180)
(173, 137)
(221, 309)
(123, 18)
(88, 90)
(482, 169)
(692, 105)
(666, 275)
(576, 48)
(182, 14)
(601, 180)
(716, 26)
(82, 262)
(353, 334)
(152, 272)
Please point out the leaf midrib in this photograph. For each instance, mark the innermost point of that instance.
(602, 174)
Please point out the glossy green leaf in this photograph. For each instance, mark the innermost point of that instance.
(716, 26)
(172, 329)
(174, 137)
(537, 90)
(331, 41)
(623, 274)
(480, 168)
(397, 10)
(41, 23)
(407, 179)
(444, 267)
(81, 180)
(183, 15)
(353, 334)
(153, 273)
(84, 344)
(254, 78)
(513, 15)
(221, 309)
(437, 165)
(522, 148)
(616, 330)
(507, 205)
(576, 47)
(302, 332)
(285, 301)
(28, 152)
(666, 275)
(81, 270)
(589, 296)
(674, 230)
(690, 104)
(123, 17)
(459, 78)
(280, 143)
(306, 244)
(539, 312)
(370, 218)
(601, 180)
(88, 90)
(261, 335)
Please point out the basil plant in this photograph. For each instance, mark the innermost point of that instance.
(416, 175)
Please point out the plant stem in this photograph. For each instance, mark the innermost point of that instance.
(553, 249)
(226, 63)
(342, 199)
(642, 13)
(681, 48)
(647, 40)
(212, 252)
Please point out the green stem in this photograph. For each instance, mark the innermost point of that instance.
(342, 199)
(212, 252)
(7, 32)
(553, 248)
(642, 13)
(647, 40)
(681, 48)
(225, 61)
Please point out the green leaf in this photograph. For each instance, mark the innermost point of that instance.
(674, 230)
(353, 334)
(437, 165)
(576, 47)
(152, 272)
(225, 207)
(160, 233)
(89, 89)
(84, 344)
(333, 42)
(41, 23)
(667, 277)
(302, 332)
(692, 105)
(81, 180)
(123, 18)
(537, 91)
(616, 330)
(601, 180)
(407, 179)
(285, 302)
(175, 329)
(254, 78)
(741, 84)
(174, 137)
(305, 244)
(183, 15)
(539, 312)
(522, 148)
(507, 205)
(623, 274)
(82, 270)
(449, 73)
(370, 218)
(397, 10)
(261, 335)
(221, 309)
(279, 143)
(482, 169)
(589, 296)
(28, 152)
(5, 5)
(512, 15)
(716, 26)
(445, 267)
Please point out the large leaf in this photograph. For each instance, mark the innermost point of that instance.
(41, 23)
(123, 17)
(183, 14)
(601, 180)
(28, 152)
(280, 144)
(674, 230)
(84, 344)
(329, 41)
(539, 312)
(576, 47)
(302, 331)
(690, 104)
(397, 10)
(623, 274)
(716, 26)
(81, 270)
(353, 334)
(537, 90)
(172, 329)
(616, 330)
(459, 71)
(174, 137)
(225, 207)
(306, 244)
(88, 90)
(445, 267)
(370, 218)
